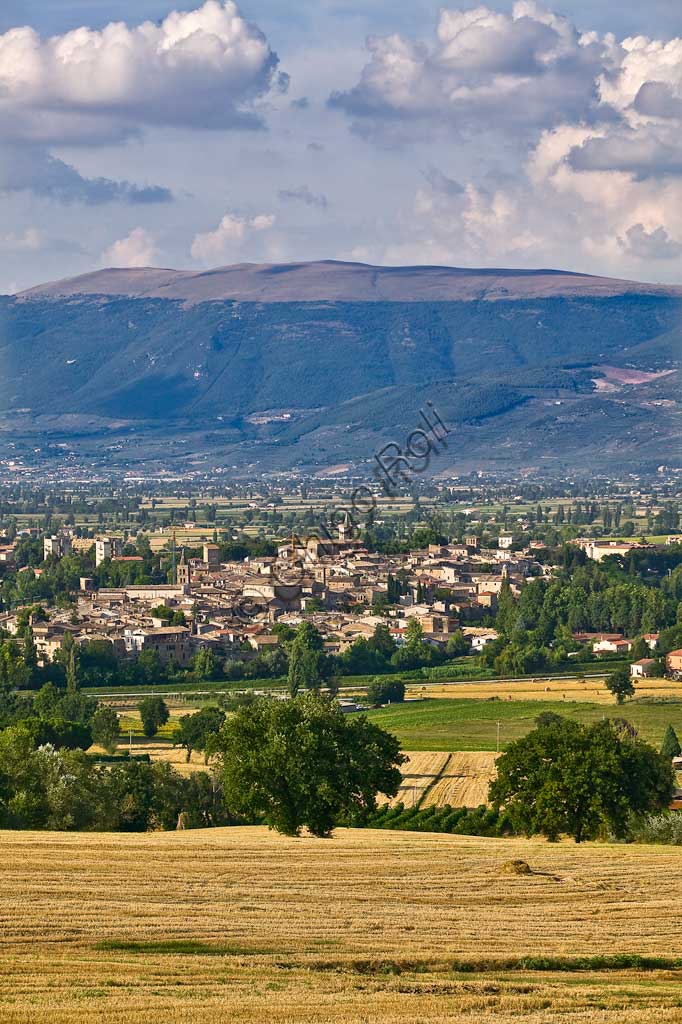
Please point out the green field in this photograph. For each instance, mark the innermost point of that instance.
(472, 724)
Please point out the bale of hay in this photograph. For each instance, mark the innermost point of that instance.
(516, 867)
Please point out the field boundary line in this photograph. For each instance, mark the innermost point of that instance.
(436, 779)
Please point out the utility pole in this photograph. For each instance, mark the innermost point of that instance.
(498, 737)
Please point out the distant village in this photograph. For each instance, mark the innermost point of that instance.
(345, 591)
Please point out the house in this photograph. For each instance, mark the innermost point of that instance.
(7, 554)
(479, 638)
(505, 541)
(171, 643)
(673, 664)
(211, 555)
(437, 623)
(651, 640)
(643, 668)
(596, 550)
(620, 646)
(48, 638)
(263, 642)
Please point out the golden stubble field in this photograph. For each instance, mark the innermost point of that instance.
(592, 690)
(460, 779)
(360, 929)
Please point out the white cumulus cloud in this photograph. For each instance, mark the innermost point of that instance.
(591, 173)
(138, 249)
(206, 69)
(484, 70)
(201, 68)
(211, 247)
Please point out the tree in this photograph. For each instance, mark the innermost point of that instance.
(283, 632)
(47, 700)
(308, 663)
(548, 718)
(62, 734)
(150, 668)
(670, 746)
(195, 731)
(457, 645)
(619, 683)
(302, 762)
(205, 664)
(30, 652)
(106, 728)
(154, 714)
(640, 649)
(507, 614)
(69, 658)
(386, 691)
(381, 641)
(580, 780)
(414, 634)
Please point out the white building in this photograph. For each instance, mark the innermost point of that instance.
(57, 545)
(107, 547)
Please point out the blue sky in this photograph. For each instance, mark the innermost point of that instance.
(491, 134)
(629, 17)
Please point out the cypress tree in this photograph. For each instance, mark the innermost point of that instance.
(670, 747)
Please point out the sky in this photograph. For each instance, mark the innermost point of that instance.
(198, 134)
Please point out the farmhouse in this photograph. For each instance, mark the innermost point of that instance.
(643, 668)
(619, 646)
(673, 664)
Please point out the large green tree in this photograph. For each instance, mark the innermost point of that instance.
(619, 683)
(567, 778)
(106, 728)
(302, 762)
(154, 714)
(197, 731)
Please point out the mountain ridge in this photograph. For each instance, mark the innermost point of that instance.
(265, 367)
(340, 281)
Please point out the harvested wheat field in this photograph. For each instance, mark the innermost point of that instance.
(421, 771)
(464, 780)
(242, 925)
(460, 779)
(544, 688)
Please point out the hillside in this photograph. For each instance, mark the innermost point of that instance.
(243, 925)
(313, 365)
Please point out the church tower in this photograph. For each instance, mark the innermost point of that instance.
(182, 571)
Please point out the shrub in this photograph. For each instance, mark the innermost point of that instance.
(663, 828)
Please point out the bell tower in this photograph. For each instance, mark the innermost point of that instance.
(182, 571)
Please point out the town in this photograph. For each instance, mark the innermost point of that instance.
(147, 607)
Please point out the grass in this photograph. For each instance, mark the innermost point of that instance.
(397, 928)
(468, 724)
(178, 947)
